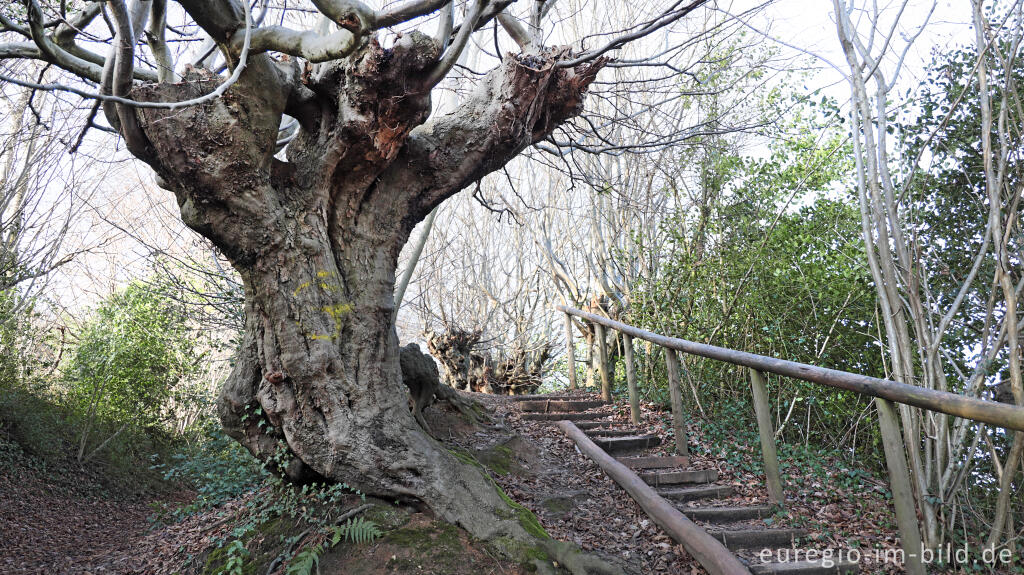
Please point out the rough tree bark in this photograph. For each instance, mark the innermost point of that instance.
(316, 240)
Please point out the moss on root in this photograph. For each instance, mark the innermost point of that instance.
(498, 459)
(526, 518)
(436, 541)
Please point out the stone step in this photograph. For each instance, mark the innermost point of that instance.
(804, 568)
(591, 425)
(549, 406)
(680, 477)
(552, 397)
(695, 493)
(615, 445)
(726, 514)
(558, 416)
(757, 538)
(657, 462)
(605, 432)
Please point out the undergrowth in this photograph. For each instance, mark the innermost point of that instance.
(285, 526)
(41, 435)
(216, 466)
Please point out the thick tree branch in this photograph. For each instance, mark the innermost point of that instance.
(445, 26)
(156, 38)
(451, 55)
(63, 47)
(117, 79)
(53, 53)
(218, 18)
(407, 12)
(517, 104)
(352, 15)
(304, 44)
(515, 29)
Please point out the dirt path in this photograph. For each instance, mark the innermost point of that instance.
(49, 529)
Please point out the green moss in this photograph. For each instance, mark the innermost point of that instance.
(434, 536)
(498, 459)
(387, 517)
(214, 561)
(526, 517)
(217, 559)
(436, 544)
(465, 457)
(521, 552)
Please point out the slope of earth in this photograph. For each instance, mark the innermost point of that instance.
(50, 528)
(62, 521)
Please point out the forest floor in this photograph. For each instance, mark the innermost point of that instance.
(58, 525)
(67, 521)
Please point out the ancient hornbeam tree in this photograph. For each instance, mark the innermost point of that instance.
(315, 231)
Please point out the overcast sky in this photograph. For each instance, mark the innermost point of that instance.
(809, 25)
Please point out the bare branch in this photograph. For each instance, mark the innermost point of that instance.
(673, 14)
(452, 54)
(53, 53)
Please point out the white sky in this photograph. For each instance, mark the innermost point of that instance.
(809, 25)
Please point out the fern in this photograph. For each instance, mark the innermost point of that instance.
(305, 561)
(357, 530)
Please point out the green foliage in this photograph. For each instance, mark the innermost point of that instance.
(131, 356)
(236, 554)
(946, 194)
(357, 530)
(217, 467)
(44, 433)
(770, 262)
(10, 358)
(279, 509)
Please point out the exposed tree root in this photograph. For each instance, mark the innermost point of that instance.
(570, 558)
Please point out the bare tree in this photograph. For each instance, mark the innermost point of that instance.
(940, 452)
(315, 233)
(38, 200)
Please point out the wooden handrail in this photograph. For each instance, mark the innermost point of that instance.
(1000, 414)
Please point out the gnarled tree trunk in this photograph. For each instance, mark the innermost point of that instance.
(316, 239)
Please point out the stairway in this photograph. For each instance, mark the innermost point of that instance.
(693, 491)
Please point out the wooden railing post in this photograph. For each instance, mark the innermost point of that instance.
(762, 409)
(899, 484)
(634, 398)
(570, 352)
(602, 360)
(676, 395)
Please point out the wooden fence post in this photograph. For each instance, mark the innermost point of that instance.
(602, 361)
(766, 430)
(634, 398)
(899, 484)
(678, 417)
(570, 351)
